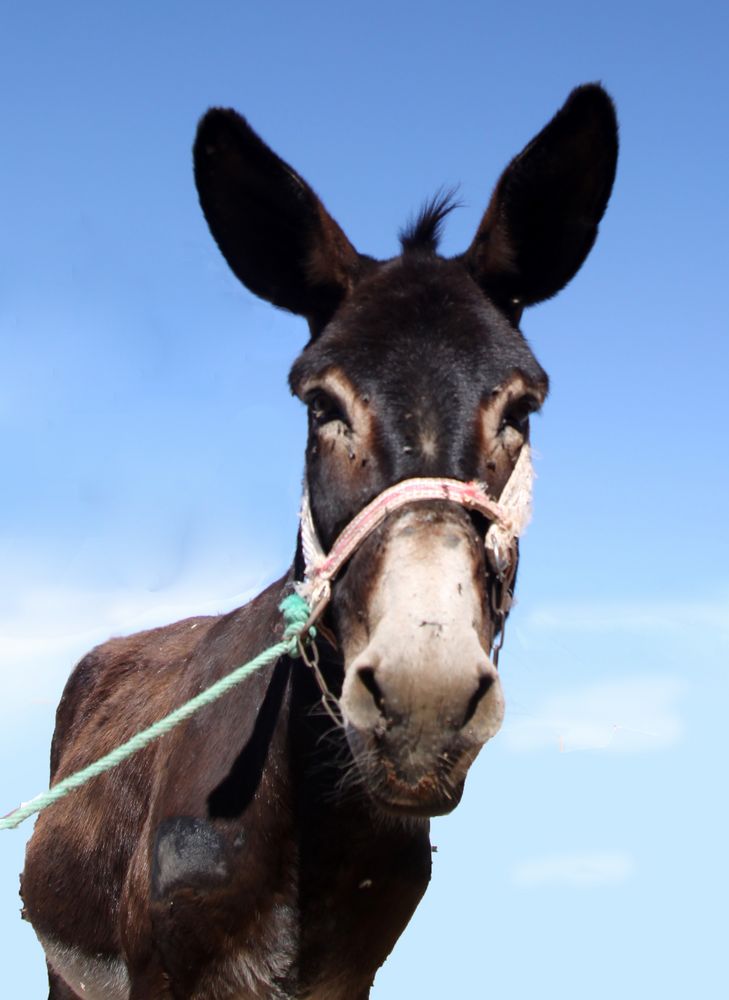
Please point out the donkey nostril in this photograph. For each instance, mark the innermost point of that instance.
(484, 685)
(367, 676)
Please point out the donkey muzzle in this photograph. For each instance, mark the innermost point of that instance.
(422, 696)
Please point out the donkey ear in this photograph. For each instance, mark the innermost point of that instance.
(270, 226)
(543, 216)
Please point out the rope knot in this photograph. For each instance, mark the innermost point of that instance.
(296, 613)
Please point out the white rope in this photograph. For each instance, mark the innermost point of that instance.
(516, 502)
(314, 554)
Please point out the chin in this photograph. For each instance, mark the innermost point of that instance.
(431, 796)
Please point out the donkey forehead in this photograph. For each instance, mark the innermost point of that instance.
(420, 326)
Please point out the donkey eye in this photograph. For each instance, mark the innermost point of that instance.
(325, 409)
(516, 415)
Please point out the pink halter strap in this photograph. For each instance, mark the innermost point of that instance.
(509, 516)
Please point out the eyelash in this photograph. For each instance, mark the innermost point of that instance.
(517, 415)
(325, 409)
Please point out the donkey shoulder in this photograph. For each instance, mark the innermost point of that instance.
(129, 682)
(127, 679)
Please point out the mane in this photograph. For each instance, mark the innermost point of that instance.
(424, 231)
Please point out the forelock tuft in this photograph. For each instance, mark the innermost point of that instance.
(424, 231)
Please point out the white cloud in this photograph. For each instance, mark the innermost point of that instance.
(625, 716)
(588, 870)
(635, 616)
(47, 630)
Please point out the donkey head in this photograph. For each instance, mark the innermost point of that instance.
(416, 367)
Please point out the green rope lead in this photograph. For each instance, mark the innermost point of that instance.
(296, 615)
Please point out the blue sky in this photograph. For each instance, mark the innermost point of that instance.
(152, 456)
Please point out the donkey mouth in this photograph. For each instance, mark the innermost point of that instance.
(424, 800)
(409, 783)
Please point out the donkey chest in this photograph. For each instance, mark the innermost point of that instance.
(333, 970)
(277, 959)
(320, 932)
(241, 977)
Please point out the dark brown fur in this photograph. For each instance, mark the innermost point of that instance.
(253, 852)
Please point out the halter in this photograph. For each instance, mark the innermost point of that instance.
(509, 517)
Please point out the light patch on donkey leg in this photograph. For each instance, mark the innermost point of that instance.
(96, 977)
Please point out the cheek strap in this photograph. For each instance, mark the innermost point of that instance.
(509, 517)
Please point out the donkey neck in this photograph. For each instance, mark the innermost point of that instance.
(360, 874)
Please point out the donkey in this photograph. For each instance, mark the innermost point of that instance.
(268, 848)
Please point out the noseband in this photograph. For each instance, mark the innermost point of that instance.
(508, 516)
